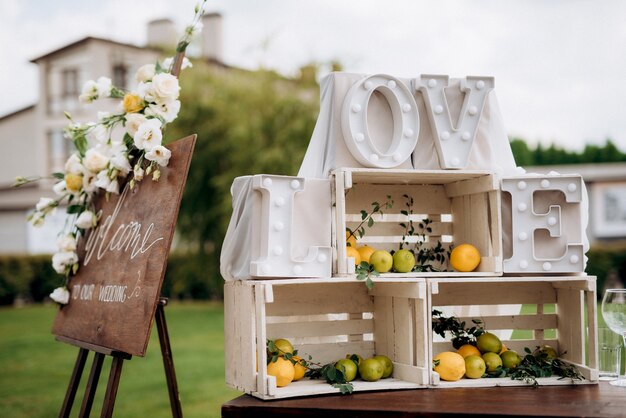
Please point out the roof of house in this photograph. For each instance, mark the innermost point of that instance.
(17, 112)
(84, 41)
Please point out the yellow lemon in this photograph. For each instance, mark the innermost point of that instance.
(283, 370)
(352, 252)
(403, 261)
(381, 260)
(283, 346)
(371, 370)
(468, 350)
(366, 251)
(465, 258)
(451, 366)
(387, 364)
(350, 239)
(299, 369)
(493, 361)
(348, 368)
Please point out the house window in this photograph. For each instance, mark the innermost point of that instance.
(120, 72)
(59, 149)
(70, 83)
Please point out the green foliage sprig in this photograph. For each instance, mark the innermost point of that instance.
(462, 334)
(366, 271)
(367, 217)
(539, 363)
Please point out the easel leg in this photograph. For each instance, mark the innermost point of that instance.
(92, 385)
(111, 393)
(168, 360)
(70, 395)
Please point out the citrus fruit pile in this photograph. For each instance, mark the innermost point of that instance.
(488, 357)
(283, 364)
(370, 370)
(402, 261)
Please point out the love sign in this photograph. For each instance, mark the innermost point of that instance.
(114, 295)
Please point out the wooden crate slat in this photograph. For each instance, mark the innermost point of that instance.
(494, 294)
(382, 334)
(361, 196)
(314, 298)
(571, 330)
(389, 225)
(410, 373)
(320, 328)
(328, 352)
(472, 186)
(403, 343)
(521, 322)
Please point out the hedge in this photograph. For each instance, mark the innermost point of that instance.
(32, 279)
(190, 276)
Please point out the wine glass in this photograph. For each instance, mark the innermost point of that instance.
(614, 314)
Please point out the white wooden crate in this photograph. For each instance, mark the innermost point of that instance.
(327, 319)
(573, 319)
(463, 205)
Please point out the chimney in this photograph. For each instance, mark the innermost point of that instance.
(212, 37)
(162, 34)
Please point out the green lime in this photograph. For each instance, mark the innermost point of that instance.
(348, 367)
(547, 352)
(403, 261)
(474, 366)
(510, 359)
(493, 361)
(489, 343)
(371, 370)
(387, 364)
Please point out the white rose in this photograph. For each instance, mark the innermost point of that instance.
(97, 135)
(86, 220)
(133, 120)
(167, 110)
(165, 86)
(160, 154)
(146, 91)
(104, 86)
(62, 260)
(89, 93)
(145, 73)
(60, 188)
(94, 161)
(73, 165)
(89, 179)
(60, 295)
(148, 134)
(66, 242)
(46, 204)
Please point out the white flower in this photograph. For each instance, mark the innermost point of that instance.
(120, 162)
(66, 242)
(148, 134)
(62, 260)
(89, 93)
(97, 135)
(160, 154)
(113, 187)
(133, 120)
(104, 86)
(60, 295)
(102, 179)
(146, 91)
(60, 188)
(167, 63)
(167, 110)
(89, 180)
(94, 160)
(165, 86)
(86, 220)
(73, 165)
(46, 205)
(37, 219)
(145, 73)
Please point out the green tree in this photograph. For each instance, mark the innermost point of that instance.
(248, 122)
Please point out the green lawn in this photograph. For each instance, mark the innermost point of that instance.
(36, 368)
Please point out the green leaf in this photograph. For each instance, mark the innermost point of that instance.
(76, 209)
(59, 176)
(363, 215)
(370, 222)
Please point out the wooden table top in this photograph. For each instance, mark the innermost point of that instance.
(601, 400)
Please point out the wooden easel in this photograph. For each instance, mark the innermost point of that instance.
(116, 371)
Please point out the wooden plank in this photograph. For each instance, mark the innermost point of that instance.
(571, 329)
(261, 339)
(495, 229)
(315, 298)
(72, 388)
(362, 195)
(524, 322)
(340, 210)
(406, 372)
(422, 330)
(397, 176)
(388, 224)
(592, 336)
(230, 328)
(407, 290)
(320, 328)
(381, 332)
(517, 345)
(493, 293)
(402, 338)
(246, 342)
(475, 185)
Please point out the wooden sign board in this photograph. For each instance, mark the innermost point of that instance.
(115, 292)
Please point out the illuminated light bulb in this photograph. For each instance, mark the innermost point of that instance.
(297, 269)
(374, 158)
(551, 221)
(572, 187)
(521, 185)
(522, 207)
(359, 137)
(279, 201)
(432, 83)
(473, 110)
(466, 136)
(523, 264)
(438, 109)
(545, 183)
(267, 182)
(356, 108)
(267, 269)
(295, 184)
(278, 250)
(455, 162)
(408, 133)
(391, 84)
(368, 85)
(321, 258)
(406, 107)
(445, 135)
(279, 226)
(523, 236)
(547, 266)
(480, 85)
(397, 157)
(574, 259)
